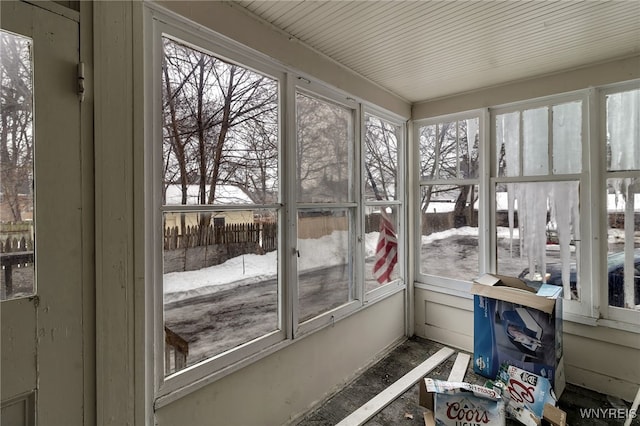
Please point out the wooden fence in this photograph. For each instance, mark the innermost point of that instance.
(13, 244)
(265, 235)
(14, 252)
(193, 249)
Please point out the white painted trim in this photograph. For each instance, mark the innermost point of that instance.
(117, 356)
(290, 217)
(384, 291)
(458, 116)
(153, 256)
(458, 292)
(329, 318)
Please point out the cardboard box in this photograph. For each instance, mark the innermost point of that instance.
(460, 404)
(527, 396)
(516, 325)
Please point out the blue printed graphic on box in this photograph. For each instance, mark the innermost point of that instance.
(514, 325)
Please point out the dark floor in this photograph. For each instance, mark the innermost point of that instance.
(405, 409)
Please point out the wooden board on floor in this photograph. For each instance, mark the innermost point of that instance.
(387, 396)
(459, 368)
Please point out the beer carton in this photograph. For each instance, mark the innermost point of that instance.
(460, 404)
(528, 397)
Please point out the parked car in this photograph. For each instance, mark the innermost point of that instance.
(615, 273)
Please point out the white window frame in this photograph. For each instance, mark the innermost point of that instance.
(592, 308)
(398, 284)
(318, 91)
(159, 26)
(585, 306)
(447, 285)
(618, 316)
(158, 22)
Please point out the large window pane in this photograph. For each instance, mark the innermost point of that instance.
(220, 148)
(623, 198)
(325, 261)
(427, 141)
(567, 138)
(537, 232)
(220, 130)
(381, 183)
(381, 159)
(324, 151)
(623, 261)
(623, 131)
(220, 283)
(508, 144)
(16, 168)
(469, 139)
(449, 150)
(449, 230)
(535, 142)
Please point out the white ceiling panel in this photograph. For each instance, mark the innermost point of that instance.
(423, 50)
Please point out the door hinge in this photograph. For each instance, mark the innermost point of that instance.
(81, 81)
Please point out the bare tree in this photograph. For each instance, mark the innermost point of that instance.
(210, 105)
(446, 153)
(16, 124)
(324, 141)
(381, 158)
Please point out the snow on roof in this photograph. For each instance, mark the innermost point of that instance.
(225, 194)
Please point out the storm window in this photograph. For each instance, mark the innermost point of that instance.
(538, 159)
(383, 195)
(622, 195)
(548, 162)
(220, 186)
(325, 137)
(449, 160)
(267, 195)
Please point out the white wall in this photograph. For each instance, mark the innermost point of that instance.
(599, 358)
(289, 382)
(596, 357)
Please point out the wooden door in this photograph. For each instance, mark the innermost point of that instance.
(42, 363)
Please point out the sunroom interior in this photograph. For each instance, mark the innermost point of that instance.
(272, 195)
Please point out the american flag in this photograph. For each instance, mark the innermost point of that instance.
(386, 250)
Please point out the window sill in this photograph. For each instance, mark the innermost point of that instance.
(461, 289)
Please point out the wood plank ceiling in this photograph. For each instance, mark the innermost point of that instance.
(423, 50)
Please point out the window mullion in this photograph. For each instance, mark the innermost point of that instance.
(290, 231)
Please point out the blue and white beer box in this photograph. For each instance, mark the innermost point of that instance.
(460, 404)
(515, 324)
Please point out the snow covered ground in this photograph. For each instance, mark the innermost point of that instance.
(318, 253)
